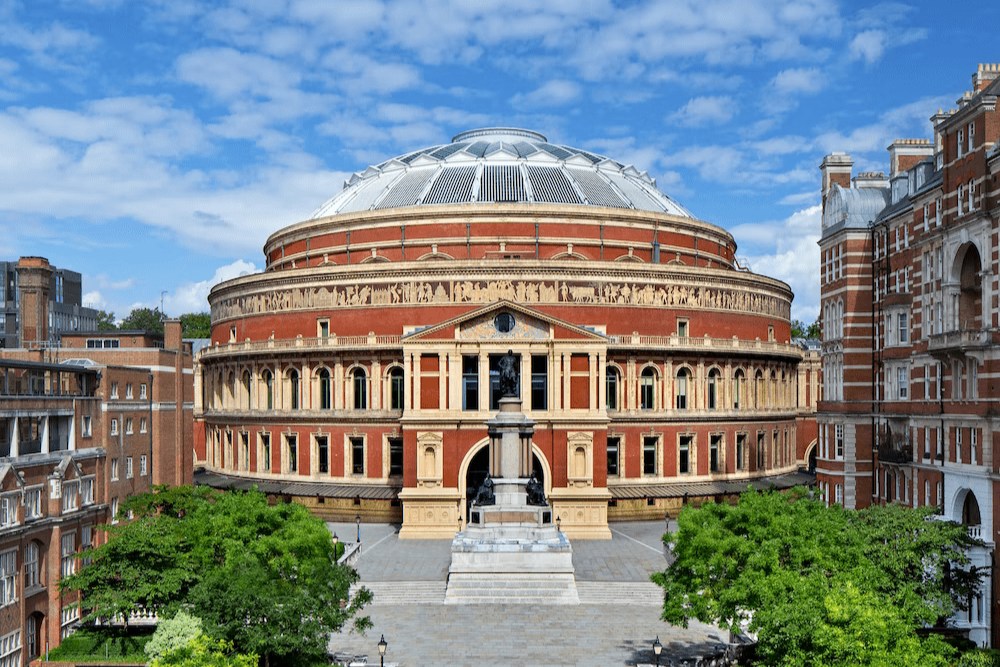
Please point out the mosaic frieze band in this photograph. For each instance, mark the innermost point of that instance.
(489, 291)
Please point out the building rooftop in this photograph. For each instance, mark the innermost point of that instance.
(500, 165)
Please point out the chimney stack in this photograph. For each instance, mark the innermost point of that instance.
(985, 74)
(836, 170)
(904, 154)
(34, 276)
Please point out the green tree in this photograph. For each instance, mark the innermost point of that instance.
(261, 576)
(809, 580)
(202, 651)
(143, 319)
(801, 330)
(173, 633)
(196, 325)
(106, 321)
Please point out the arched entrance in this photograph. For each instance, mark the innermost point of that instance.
(811, 459)
(477, 464)
(970, 510)
(33, 633)
(970, 298)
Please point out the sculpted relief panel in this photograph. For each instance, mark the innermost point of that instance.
(489, 291)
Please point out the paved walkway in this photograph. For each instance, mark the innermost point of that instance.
(615, 624)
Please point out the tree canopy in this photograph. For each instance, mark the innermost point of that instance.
(261, 576)
(106, 321)
(196, 325)
(802, 330)
(817, 584)
(143, 319)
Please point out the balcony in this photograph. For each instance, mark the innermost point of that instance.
(703, 344)
(895, 453)
(959, 341)
(300, 344)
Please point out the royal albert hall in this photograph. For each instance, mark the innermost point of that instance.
(356, 374)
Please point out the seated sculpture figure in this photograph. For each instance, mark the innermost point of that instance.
(535, 491)
(484, 495)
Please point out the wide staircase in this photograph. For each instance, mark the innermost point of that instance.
(642, 593)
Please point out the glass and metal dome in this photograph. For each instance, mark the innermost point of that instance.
(500, 165)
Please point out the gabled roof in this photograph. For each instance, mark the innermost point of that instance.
(560, 328)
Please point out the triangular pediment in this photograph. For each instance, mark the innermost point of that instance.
(10, 478)
(481, 324)
(68, 469)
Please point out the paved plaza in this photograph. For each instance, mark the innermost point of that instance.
(615, 624)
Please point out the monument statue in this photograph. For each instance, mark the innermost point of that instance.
(535, 491)
(508, 375)
(484, 495)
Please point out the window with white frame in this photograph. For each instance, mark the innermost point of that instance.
(927, 215)
(86, 426)
(114, 426)
(838, 438)
(68, 617)
(33, 503)
(970, 136)
(839, 498)
(960, 142)
(86, 542)
(114, 390)
(8, 508)
(958, 444)
(142, 425)
(114, 510)
(70, 496)
(128, 390)
(67, 553)
(128, 467)
(86, 491)
(902, 382)
(142, 390)
(128, 426)
(143, 465)
(32, 571)
(8, 577)
(114, 469)
(959, 200)
(10, 649)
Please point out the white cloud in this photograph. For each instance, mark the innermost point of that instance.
(868, 45)
(705, 110)
(555, 93)
(193, 297)
(94, 299)
(798, 80)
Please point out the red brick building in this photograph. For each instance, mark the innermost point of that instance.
(357, 372)
(911, 354)
(82, 428)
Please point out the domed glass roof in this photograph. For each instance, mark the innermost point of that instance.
(500, 165)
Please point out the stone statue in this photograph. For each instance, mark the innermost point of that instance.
(484, 496)
(508, 375)
(536, 492)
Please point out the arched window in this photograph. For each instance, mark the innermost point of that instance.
(293, 389)
(612, 381)
(231, 390)
(758, 390)
(647, 389)
(396, 388)
(325, 389)
(714, 382)
(360, 379)
(739, 388)
(268, 379)
(246, 389)
(681, 389)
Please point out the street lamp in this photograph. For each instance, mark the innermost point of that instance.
(336, 543)
(357, 520)
(657, 648)
(382, 646)
(558, 524)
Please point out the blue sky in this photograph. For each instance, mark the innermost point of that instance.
(153, 145)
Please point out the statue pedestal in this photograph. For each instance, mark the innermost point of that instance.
(511, 552)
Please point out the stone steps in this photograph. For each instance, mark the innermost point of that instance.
(620, 592)
(511, 588)
(640, 593)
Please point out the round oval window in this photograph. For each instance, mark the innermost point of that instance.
(504, 322)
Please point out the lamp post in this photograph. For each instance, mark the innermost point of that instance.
(657, 648)
(382, 646)
(357, 520)
(336, 543)
(558, 524)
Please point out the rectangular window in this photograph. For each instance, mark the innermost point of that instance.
(86, 426)
(142, 425)
(539, 381)
(649, 444)
(128, 390)
(70, 496)
(684, 454)
(974, 444)
(614, 447)
(143, 466)
(87, 491)
(470, 382)
(128, 426)
(31, 570)
(114, 426)
(114, 390)
(244, 450)
(357, 455)
(715, 452)
(323, 328)
(114, 469)
(611, 388)
(322, 454)
(142, 390)
(86, 541)
(33, 503)
(903, 329)
(68, 555)
(971, 136)
(395, 456)
(8, 577)
(8, 508)
(129, 473)
(839, 440)
(927, 215)
(902, 382)
(761, 450)
(741, 451)
(292, 452)
(960, 143)
(682, 328)
(264, 460)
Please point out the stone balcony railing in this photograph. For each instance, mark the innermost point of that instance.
(962, 339)
(693, 343)
(888, 453)
(301, 344)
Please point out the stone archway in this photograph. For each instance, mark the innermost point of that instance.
(810, 458)
(970, 288)
(475, 465)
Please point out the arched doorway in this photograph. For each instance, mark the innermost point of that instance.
(33, 633)
(970, 299)
(970, 510)
(478, 466)
(811, 459)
